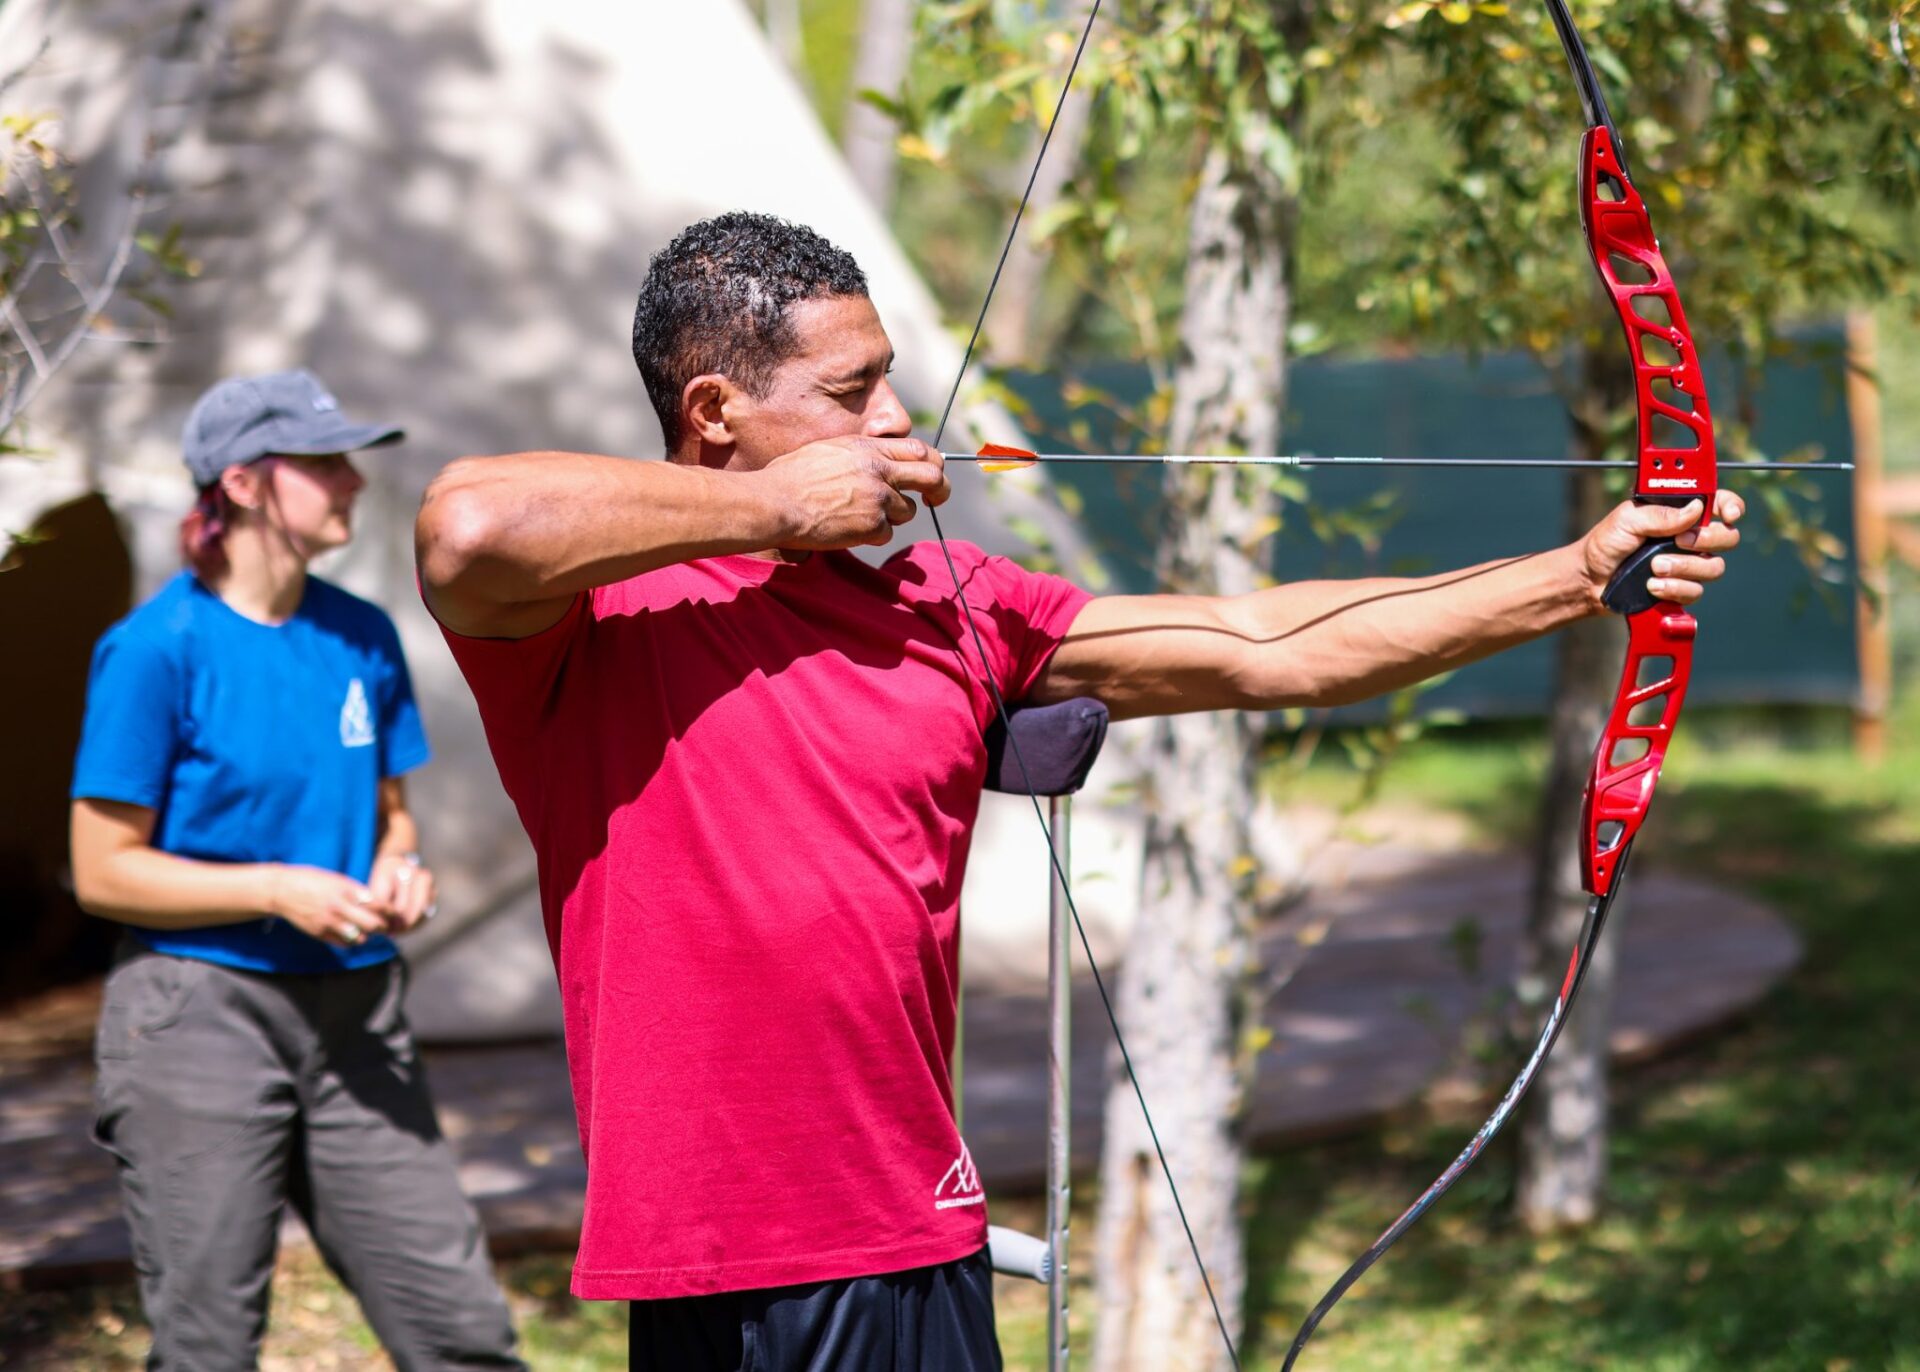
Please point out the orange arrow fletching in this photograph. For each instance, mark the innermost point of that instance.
(1006, 459)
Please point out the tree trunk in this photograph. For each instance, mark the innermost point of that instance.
(1186, 992)
(1563, 1132)
(886, 42)
(787, 32)
(1010, 337)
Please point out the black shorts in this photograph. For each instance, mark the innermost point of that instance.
(928, 1319)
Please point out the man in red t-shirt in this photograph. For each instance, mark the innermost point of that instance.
(750, 765)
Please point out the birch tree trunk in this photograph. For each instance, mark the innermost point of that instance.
(886, 43)
(1185, 993)
(1011, 315)
(786, 30)
(1563, 1131)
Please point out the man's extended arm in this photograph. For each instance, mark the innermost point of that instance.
(505, 543)
(1324, 643)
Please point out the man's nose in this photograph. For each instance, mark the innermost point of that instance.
(888, 418)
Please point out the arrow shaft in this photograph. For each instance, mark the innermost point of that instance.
(1313, 460)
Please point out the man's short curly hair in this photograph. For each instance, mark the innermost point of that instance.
(715, 300)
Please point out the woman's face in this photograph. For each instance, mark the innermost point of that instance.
(310, 499)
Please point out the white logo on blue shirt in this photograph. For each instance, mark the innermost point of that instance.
(356, 719)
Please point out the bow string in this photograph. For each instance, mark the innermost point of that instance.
(1000, 703)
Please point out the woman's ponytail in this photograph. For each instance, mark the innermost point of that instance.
(203, 533)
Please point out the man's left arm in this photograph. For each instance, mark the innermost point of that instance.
(1326, 643)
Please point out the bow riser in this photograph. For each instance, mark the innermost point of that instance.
(1676, 462)
(1668, 379)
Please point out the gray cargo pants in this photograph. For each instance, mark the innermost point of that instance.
(223, 1095)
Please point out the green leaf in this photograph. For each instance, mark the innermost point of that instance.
(888, 105)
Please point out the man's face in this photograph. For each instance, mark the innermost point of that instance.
(834, 387)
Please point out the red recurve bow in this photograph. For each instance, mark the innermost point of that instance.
(1676, 465)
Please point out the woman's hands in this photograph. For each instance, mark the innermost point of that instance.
(403, 885)
(397, 897)
(326, 905)
(1680, 577)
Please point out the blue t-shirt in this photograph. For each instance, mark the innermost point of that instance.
(253, 743)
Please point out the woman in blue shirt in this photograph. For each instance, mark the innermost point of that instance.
(238, 803)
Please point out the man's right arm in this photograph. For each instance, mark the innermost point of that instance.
(506, 543)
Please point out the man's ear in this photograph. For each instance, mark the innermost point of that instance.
(703, 408)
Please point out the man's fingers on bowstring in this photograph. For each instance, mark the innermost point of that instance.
(928, 480)
(915, 466)
(934, 490)
(900, 449)
(899, 508)
(877, 508)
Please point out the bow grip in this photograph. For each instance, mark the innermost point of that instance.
(1628, 591)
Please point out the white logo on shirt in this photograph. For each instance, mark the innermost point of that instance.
(961, 1185)
(356, 720)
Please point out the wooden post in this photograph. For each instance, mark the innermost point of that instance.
(1872, 613)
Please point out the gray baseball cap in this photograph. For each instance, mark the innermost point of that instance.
(247, 417)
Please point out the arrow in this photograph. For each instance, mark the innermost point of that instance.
(997, 457)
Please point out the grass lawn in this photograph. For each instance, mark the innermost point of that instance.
(1764, 1211)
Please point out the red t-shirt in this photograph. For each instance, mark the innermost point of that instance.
(751, 786)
